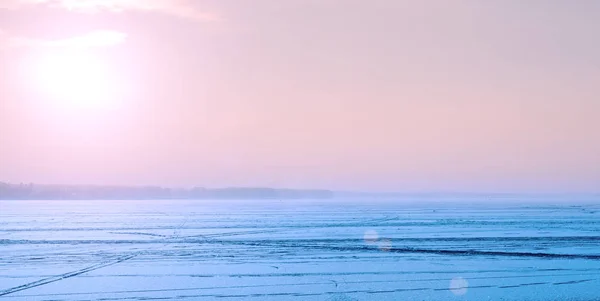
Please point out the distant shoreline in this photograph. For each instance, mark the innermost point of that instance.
(98, 192)
(10, 191)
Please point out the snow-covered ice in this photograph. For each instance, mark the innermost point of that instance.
(298, 250)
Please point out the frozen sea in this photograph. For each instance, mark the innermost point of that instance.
(413, 249)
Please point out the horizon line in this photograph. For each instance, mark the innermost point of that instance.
(343, 191)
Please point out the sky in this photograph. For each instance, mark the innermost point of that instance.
(384, 95)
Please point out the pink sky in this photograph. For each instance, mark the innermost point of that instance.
(353, 95)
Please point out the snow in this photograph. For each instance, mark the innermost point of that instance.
(298, 250)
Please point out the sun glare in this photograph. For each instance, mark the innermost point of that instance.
(77, 80)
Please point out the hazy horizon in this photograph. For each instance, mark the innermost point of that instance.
(299, 188)
(382, 96)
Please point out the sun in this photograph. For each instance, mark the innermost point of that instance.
(76, 80)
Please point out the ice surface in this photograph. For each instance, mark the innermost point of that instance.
(297, 250)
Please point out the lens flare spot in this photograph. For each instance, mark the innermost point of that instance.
(459, 286)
